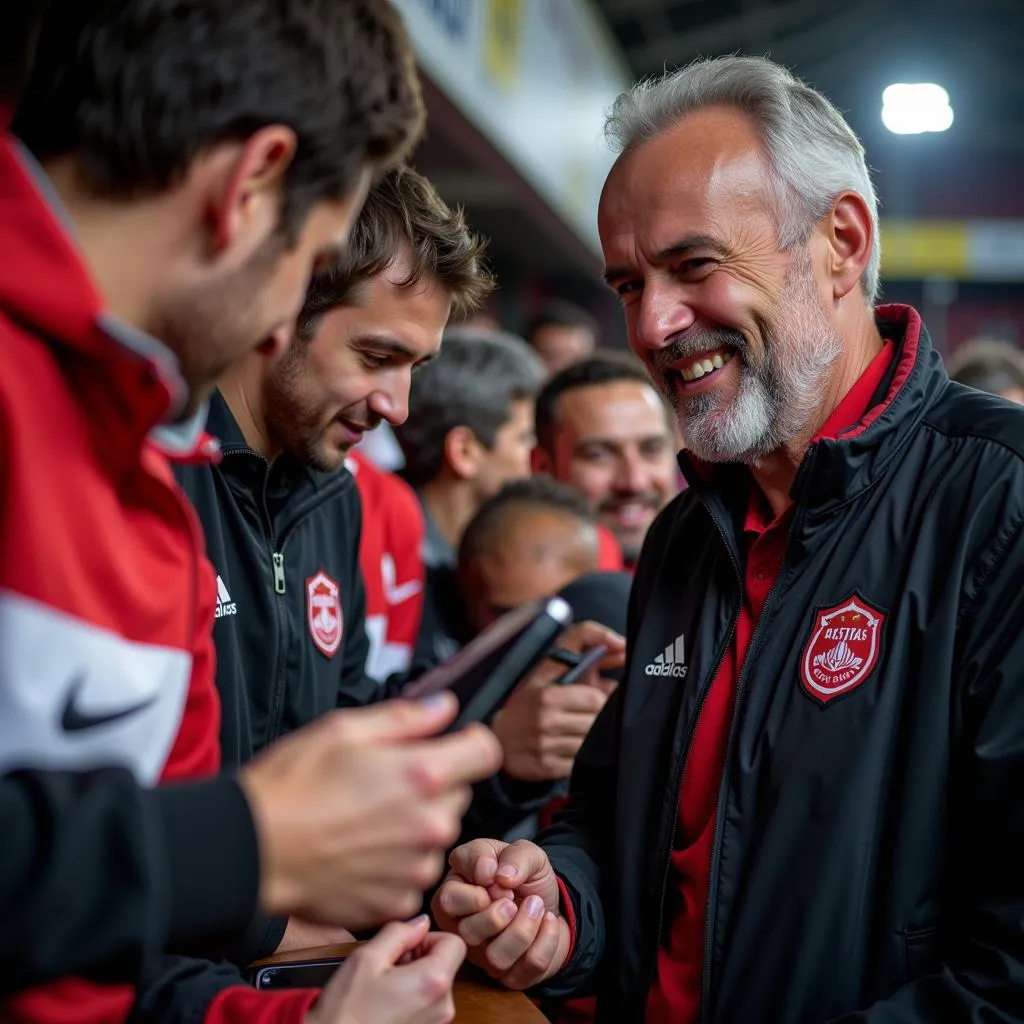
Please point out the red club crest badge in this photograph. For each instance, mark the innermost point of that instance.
(843, 649)
(323, 612)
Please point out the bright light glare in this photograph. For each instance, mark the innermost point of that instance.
(912, 109)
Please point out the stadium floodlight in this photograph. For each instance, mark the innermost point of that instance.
(910, 109)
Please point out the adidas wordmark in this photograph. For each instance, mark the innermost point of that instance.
(671, 661)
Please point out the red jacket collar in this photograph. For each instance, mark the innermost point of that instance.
(46, 288)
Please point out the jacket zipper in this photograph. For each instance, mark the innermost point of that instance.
(680, 767)
(278, 578)
(705, 986)
(277, 563)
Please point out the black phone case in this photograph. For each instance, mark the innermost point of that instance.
(301, 974)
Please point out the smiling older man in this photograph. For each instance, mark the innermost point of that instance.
(815, 815)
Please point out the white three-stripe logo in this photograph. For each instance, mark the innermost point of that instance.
(671, 662)
(225, 606)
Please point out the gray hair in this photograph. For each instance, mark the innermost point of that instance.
(813, 153)
(472, 383)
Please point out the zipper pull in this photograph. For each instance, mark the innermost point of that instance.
(278, 560)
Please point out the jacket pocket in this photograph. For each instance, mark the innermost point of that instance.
(921, 951)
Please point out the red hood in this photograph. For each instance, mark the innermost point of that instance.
(45, 288)
(38, 252)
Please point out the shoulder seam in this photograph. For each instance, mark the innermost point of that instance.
(971, 436)
(995, 557)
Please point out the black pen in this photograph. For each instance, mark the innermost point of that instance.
(568, 658)
(584, 663)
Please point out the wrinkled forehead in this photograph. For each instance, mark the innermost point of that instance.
(708, 174)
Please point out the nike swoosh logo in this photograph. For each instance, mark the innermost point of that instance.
(394, 592)
(73, 719)
(402, 592)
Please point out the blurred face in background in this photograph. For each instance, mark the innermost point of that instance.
(538, 553)
(560, 346)
(509, 457)
(736, 332)
(355, 371)
(613, 444)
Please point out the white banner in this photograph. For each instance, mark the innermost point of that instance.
(536, 77)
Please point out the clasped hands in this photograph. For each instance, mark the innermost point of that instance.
(504, 902)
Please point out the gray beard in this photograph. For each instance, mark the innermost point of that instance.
(778, 396)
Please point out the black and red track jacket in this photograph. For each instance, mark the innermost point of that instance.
(866, 864)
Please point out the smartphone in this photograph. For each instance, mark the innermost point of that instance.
(300, 974)
(584, 664)
(489, 667)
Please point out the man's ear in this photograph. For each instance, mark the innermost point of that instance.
(275, 346)
(851, 237)
(463, 452)
(246, 206)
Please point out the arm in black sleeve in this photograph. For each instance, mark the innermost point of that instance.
(185, 990)
(98, 875)
(981, 976)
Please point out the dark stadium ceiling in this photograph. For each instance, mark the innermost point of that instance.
(973, 48)
(852, 51)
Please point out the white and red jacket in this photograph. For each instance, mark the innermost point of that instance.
(390, 556)
(106, 598)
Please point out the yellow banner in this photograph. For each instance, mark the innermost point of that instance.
(922, 248)
(502, 32)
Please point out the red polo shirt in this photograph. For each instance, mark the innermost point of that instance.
(609, 554)
(675, 996)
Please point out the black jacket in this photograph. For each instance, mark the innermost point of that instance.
(278, 536)
(868, 859)
(98, 875)
(270, 532)
(281, 538)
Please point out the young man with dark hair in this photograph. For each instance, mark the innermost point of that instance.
(282, 517)
(185, 166)
(107, 74)
(603, 429)
(562, 334)
(532, 539)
